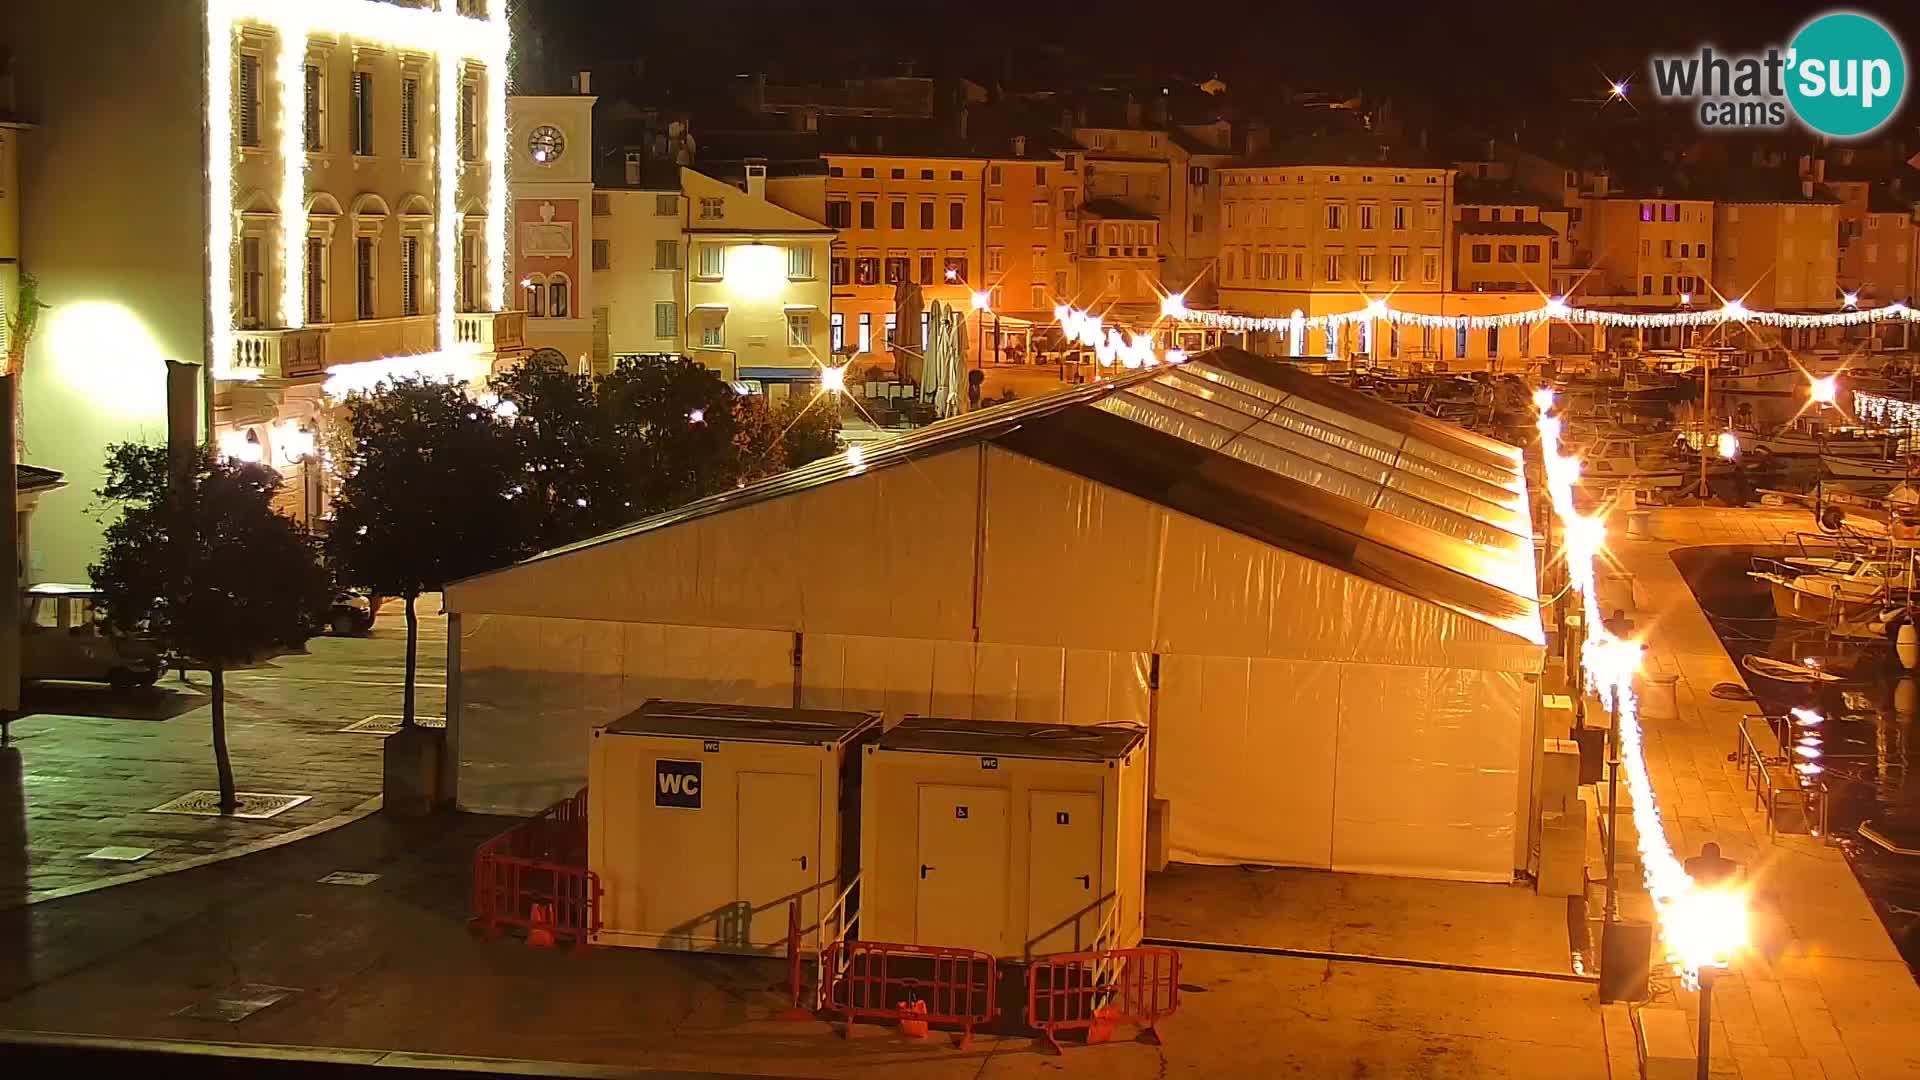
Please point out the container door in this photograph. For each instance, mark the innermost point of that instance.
(961, 881)
(778, 851)
(1064, 897)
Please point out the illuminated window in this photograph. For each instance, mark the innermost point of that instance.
(865, 343)
(866, 270)
(896, 267)
(838, 332)
(890, 330)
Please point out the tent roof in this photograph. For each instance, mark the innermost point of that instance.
(1288, 459)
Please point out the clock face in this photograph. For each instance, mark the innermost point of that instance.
(545, 144)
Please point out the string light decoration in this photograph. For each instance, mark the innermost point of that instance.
(451, 36)
(1701, 927)
(1878, 410)
(1110, 346)
(1555, 308)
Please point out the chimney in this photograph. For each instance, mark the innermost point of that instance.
(757, 177)
(583, 82)
(634, 159)
(1133, 113)
(1162, 113)
(1019, 146)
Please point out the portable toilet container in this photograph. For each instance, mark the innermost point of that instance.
(1013, 839)
(705, 821)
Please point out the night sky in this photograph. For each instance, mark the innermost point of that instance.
(1493, 59)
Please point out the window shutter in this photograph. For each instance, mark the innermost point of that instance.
(409, 298)
(363, 113)
(409, 92)
(249, 101)
(313, 108)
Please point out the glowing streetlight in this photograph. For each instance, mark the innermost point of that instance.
(1851, 299)
(1733, 309)
(1825, 390)
(833, 380)
(1557, 307)
(1686, 298)
(1173, 306)
(1543, 399)
(1729, 445)
(980, 300)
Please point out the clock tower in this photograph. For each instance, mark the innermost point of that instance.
(550, 172)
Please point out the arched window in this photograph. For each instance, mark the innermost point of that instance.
(559, 297)
(536, 290)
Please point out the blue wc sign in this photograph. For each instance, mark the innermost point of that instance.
(676, 783)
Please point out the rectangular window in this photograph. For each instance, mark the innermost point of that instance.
(993, 176)
(1430, 216)
(602, 255)
(1530, 253)
(1336, 216)
(536, 300)
(837, 332)
(1197, 175)
(603, 206)
(996, 213)
(866, 270)
(839, 214)
(1400, 217)
(1199, 223)
(469, 120)
(410, 118)
(1666, 250)
(1333, 268)
(891, 330)
(410, 276)
(713, 333)
(1397, 267)
(666, 254)
(1366, 215)
(1509, 253)
(1666, 285)
(842, 269)
(1460, 342)
(1037, 295)
(956, 268)
(250, 281)
(713, 208)
(1646, 285)
(897, 215)
(1060, 282)
(315, 120)
(363, 114)
(713, 260)
(666, 205)
(1366, 267)
(469, 272)
(865, 342)
(666, 319)
(249, 103)
(1042, 215)
(1493, 343)
(1430, 267)
(996, 260)
(866, 214)
(957, 215)
(1646, 211)
(926, 269)
(926, 214)
(800, 263)
(1482, 253)
(896, 269)
(363, 276)
(799, 330)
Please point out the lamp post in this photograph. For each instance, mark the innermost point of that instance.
(1707, 973)
(1612, 913)
(980, 301)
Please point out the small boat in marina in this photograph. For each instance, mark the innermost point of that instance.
(1848, 590)
(1610, 462)
(1779, 670)
(1864, 469)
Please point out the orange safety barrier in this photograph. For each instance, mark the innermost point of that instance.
(1099, 991)
(534, 876)
(916, 985)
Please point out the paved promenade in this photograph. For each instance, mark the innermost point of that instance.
(1836, 1001)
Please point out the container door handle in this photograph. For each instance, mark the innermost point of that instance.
(923, 871)
(803, 862)
(1085, 880)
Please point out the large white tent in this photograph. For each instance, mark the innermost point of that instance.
(1323, 607)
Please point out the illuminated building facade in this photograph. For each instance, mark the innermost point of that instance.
(294, 194)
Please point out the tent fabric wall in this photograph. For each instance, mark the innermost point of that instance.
(1416, 775)
(533, 689)
(1025, 684)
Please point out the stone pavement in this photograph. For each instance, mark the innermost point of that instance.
(1836, 1001)
(86, 767)
(389, 965)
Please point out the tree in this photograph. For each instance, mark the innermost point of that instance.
(213, 574)
(810, 428)
(675, 423)
(433, 491)
(567, 449)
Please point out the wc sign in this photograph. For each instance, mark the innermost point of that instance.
(676, 783)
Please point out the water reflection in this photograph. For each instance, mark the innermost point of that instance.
(1863, 747)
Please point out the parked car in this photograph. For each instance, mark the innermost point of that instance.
(352, 613)
(65, 636)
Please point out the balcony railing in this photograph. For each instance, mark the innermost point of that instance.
(281, 354)
(492, 331)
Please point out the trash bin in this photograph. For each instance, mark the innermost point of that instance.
(1640, 524)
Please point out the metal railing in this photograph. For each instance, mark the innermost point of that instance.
(534, 877)
(1100, 990)
(925, 984)
(1758, 771)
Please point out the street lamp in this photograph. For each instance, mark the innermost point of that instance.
(981, 301)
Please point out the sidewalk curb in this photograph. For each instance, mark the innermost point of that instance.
(304, 832)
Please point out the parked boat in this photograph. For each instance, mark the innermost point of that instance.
(1850, 468)
(1768, 668)
(1611, 462)
(1856, 591)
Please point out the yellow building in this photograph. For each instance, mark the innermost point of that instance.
(343, 213)
(1171, 173)
(1778, 249)
(1500, 242)
(1648, 251)
(1876, 238)
(758, 297)
(644, 282)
